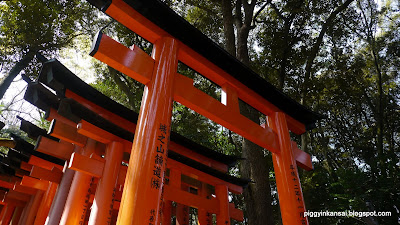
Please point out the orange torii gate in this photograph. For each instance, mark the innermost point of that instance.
(33, 196)
(175, 40)
(61, 79)
(64, 82)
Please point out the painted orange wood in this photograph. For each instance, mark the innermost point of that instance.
(291, 200)
(102, 207)
(132, 62)
(235, 213)
(24, 189)
(18, 196)
(77, 203)
(62, 149)
(36, 161)
(209, 107)
(6, 184)
(303, 159)
(87, 165)
(89, 130)
(142, 196)
(35, 183)
(53, 175)
(67, 133)
(45, 205)
(203, 177)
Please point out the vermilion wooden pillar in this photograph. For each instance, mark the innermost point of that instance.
(25, 211)
(17, 215)
(143, 188)
(182, 211)
(223, 217)
(287, 178)
(3, 210)
(204, 217)
(182, 214)
(103, 201)
(77, 202)
(5, 220)
(167, 213)
(58, 204)
(30, 217)
(176, 182)
(46, 204)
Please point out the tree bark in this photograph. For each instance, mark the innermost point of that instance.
(228, 27)
(287, 47)
(257, 195)
(20, 65)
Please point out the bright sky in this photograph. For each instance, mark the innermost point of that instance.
(79, 62)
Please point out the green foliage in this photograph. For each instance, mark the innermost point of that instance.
(5, 133)
(118, 87)
(45, 26)
(35, 25)
(110, 89)
(356, 174)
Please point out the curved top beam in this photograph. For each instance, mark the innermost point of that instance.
(168, 21)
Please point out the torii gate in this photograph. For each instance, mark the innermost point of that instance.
(174, 39)
(69, 112)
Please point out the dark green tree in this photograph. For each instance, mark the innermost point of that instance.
(28, 27)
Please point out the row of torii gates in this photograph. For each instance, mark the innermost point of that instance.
(86, 170)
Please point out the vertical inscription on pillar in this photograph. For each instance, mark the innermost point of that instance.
(161, 151)
(86, 204)
(111, 207)
(209, 218)
(297, 191)
(152, 217)
(160, 163)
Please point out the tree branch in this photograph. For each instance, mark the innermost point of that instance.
(259, 11)
(238, 14)
(17, 68)
(317, 45)
(280, 15)
(122, 85)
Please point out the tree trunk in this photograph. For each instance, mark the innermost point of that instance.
(121, 85)
(229, 33)
(380, 108)
(20, 65)
(257, 195)
(287, 47)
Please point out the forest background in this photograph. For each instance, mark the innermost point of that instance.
(339, 58)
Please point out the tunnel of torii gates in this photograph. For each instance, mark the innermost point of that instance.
(86, 125)
(175, 40)
(84, 120)
(144, 197)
